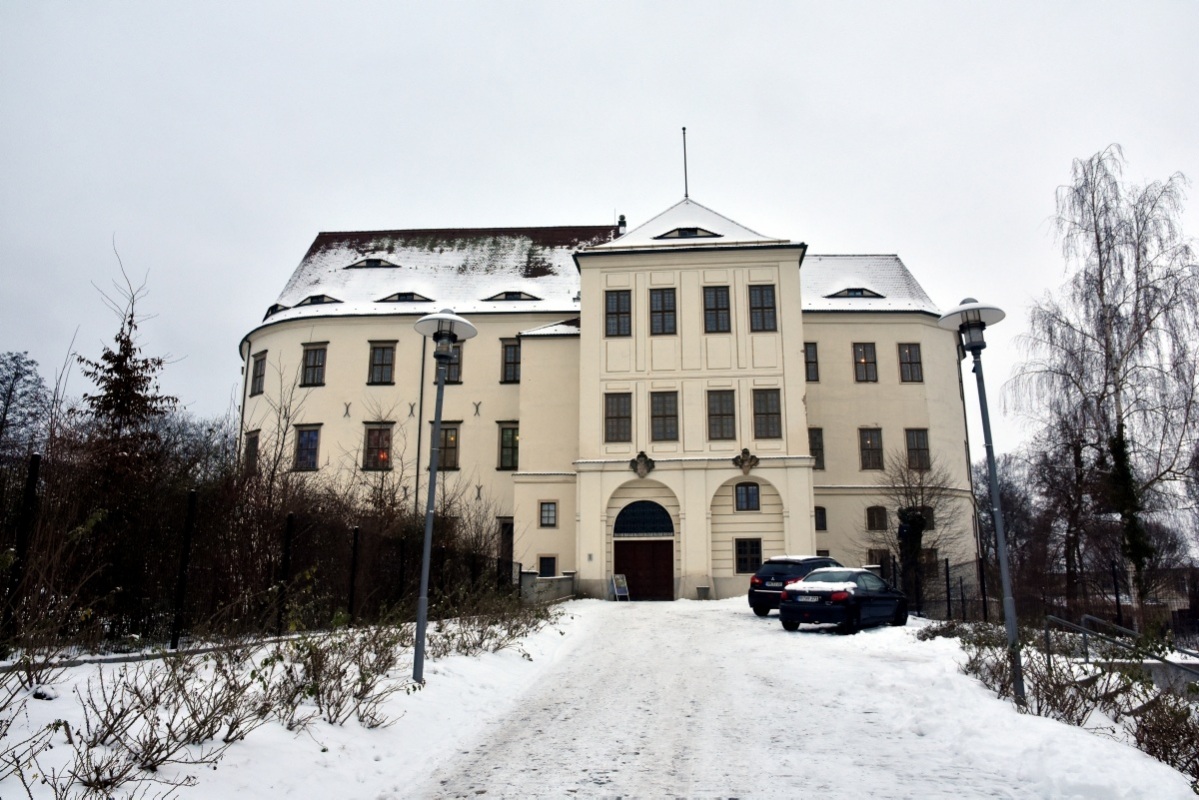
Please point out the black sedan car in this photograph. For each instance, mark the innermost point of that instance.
(849, 598)
(767, 583)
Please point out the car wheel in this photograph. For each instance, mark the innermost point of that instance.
(901, 614)
(761, 611)
(852, 623)
(790, 625)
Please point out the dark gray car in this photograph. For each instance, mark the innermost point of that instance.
(767, 583)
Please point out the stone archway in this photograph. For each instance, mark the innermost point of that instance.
(643, 550)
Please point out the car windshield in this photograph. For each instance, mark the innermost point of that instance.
(782, 569)
(830, 576)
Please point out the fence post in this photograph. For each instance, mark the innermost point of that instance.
(25, 525)
(982, 585)
(1116, 587)
(285, 572)
(948, 593)
(353, 571)
(185, 554)
(962, 595)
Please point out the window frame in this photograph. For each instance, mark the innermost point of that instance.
(663, 306)
(315, 359)
(919, 455)
(763, 311)
(618, 313)
(381, 372)
(257, 373)
(911, 364)
(820, 518)
(811, 361)
(551, 561)
(664, 416)
(768, 420)
(453, 368)
(747, 553)
(722, 417)
(618, 417)
(870, 448)
(376, 456)
(747, 496)
(816, 446)
(250, 446)
(509, 451)
(509, 360)
(865, 362)
(449, 430)
(547, 514)
(718, 315)
(307, 464)
(877, 518)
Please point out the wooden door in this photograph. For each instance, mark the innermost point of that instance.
(649, 567)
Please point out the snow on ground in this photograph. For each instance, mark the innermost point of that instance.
(687, 699)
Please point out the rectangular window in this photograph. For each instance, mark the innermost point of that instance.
(816, 446)
(761, 309)
(910, 368)
(748, 497)
(314, 366)
(448, 459)
(549, 514)
(258, 373)
(618, 312)
(661, 312)
(618, 417)
(865, 366)
(453, 368)
(383, 359)
(308, 441)
(511, 368)
(547, 566)
(250, 453)
(509, 446)
(716, 309)
(882, 557)
(821, 520)
(876, 518)
(722, 416)
(824, 553)
(749, 555)
(377, 454)
(919, 456)
(811, 362)
(664, 416)
(768, 414)
(870, 444)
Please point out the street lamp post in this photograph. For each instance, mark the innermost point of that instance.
(445, 328)
(970, 319)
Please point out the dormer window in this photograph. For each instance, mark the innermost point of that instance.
(275, 309)
(689, 233)
(406, 297)
(514, 296)
(855, 291)
(372, 263)
(317, 300)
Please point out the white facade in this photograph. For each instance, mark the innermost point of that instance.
(632, 368)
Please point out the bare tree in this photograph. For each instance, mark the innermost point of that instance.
(1113, 361)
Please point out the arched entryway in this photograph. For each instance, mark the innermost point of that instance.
(643, 550)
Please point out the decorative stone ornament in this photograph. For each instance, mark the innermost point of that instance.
(746, 461)
(642, 464)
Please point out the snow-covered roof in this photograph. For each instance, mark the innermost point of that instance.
(861, 283)
(477, 270)
(567, 327)
(688, 224)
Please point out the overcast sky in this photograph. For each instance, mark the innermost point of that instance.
(213, 141)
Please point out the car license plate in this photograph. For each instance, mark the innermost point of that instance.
(774, 583)
(807, 598)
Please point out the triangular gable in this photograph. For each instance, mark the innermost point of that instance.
(688, 224)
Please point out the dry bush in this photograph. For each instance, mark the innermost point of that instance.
(1168, 730)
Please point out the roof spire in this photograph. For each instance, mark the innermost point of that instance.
(686, 194)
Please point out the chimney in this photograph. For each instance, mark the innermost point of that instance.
(621, 226)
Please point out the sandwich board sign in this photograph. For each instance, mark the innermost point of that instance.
(620, 587)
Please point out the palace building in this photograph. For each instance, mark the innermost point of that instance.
(673, 402)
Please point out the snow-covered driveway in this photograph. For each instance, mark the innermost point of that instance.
(691, 699)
